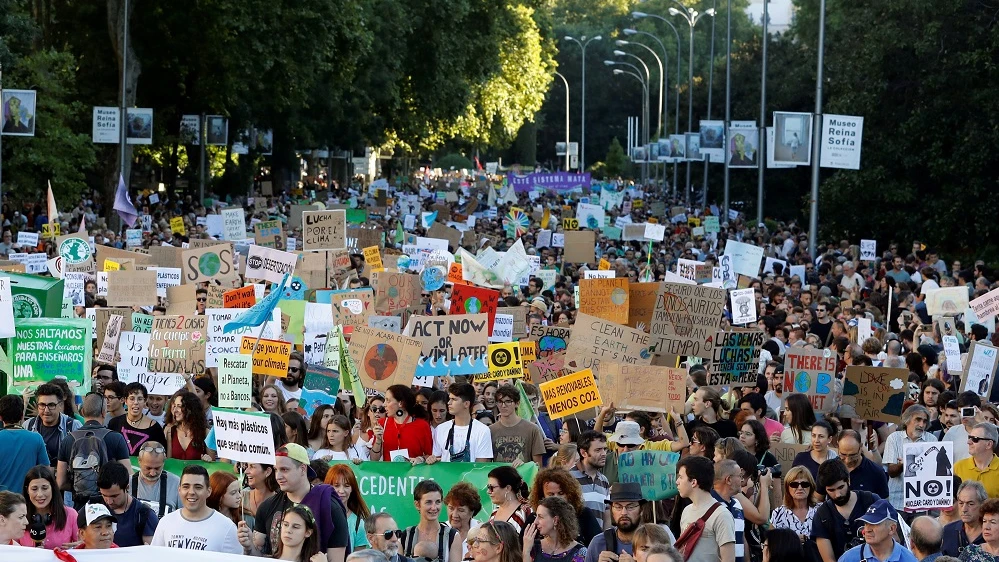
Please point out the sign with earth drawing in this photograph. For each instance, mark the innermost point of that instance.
(74, 250)
(384, 358)
(204, 264)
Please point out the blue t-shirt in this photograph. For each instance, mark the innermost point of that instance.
(898, 554)
(355, 527)
(22, 450)
(127, 532)
(599, 544)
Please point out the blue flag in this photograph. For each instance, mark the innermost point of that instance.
(260, 312)
(123, 204)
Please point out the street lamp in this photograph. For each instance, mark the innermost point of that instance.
(566, 82)
(665, 66)
(645, 100)
(691, 17)
(583, 42)
(662, 77)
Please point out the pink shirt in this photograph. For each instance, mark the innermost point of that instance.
(772, 427)
(55, 538)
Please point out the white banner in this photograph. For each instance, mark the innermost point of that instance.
(145, 553)
(928, 476)
(868, 250)
(743, 306)
(244, 436)
(841, 141)
(6, 309)
(29, 239)
(268, 264)
(33, 263)
(235, 380)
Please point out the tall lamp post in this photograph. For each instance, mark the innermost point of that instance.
(662, 81)
(664, 114)
(691, 17)
(813, 216)
(644, 134)
(583, 42)
(566, 82)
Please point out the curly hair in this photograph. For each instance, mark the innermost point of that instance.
(194, 416)
(567, 527)
(569, 486)
(464, 494)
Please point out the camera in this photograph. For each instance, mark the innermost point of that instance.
(775, 471)
(968, 412)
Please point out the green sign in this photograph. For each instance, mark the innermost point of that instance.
(357, 216)
(142, 323)
(45, 348)
(654, 471)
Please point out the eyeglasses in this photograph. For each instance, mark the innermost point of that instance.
(112, 397)
(153, 450)
(505, 402)
(378, 409)
(48, 405)
(491, 487)
(746, 434)
(796, 485)
(974, 439)
(625, 506)
(388, 534)
(202, 299)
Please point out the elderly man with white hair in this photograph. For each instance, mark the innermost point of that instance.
(915, 420)
(851, 280)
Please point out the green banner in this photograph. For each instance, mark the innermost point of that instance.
(45, 348)
(654, 471)
(357, 216)
(177, 466)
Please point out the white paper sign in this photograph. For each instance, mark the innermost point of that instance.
(502, 329)
(268, 264)
(864, 330)
(868, 250)
(599, 274)
(33, 263)
(133, 237)
(244, 436)
(233, 224)
(166, 277)
(743, 306)
(928, 476)
(6, 309)
(235, 381)
(220, 343)
(27, 239)
(746, 258)
(952, 350)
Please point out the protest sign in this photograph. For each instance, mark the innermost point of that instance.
(338, 268)
(45, 348)
(981, 370)
(269, 265)
(735, 359)
(74, 250)
(451, 345)
(868, 250)
(952, 352)
(388, 323)
(548, 368)
(570, 223)
(244, 297)
(6, 309)
(270, 357)
(102, 316)
(109, 347)
(580, 247)
(468, 299)
(502, 329)
(177, 226)
(811, 372)
(504, 362)
(875, 393)
(570, 394)
(324, 230)
(359, 237)
(746, 258)
(177, 344)
(131, 288)
(351, 308)
(222, 343)
(949, 301)
(383, 358)
(643, 387)
(686, 319)
(605, 298)
(986, 306)
(395, 290)
(142, 323)
(928, 476)
(320, 386)
(744, 307)
(244, 436)
(654, 471)
(528, 351)
(590, 216)
(595, 340)
(268, 234)
(33, 263)
(786, 452)
(641, 304)
(166, 277)
(235, 381)
(550, 339)
(205, 264)
(233, 224)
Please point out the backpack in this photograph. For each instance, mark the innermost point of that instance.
(690, 536)
(86, 457)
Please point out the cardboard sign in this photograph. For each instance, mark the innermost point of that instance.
(654, 471)
(102, 317)
(383, 358)
(686, 319)
(811, 372)
(570, 224)
(177, 344)
(548, 368)
(641, 304)
(580, 247)
(108, 349)
(570, 394)
(244, 297)
(643, 387)
(394, 290)
(270, 357)
(451, 345)
(528, 351)
(269, 265)
(928, 477)
(982, 362)
(206, 264)
(222, 343)
(235, 381)
(504, 362)
(338, 268)
(519, 314)
(324, 230)
(735, 359)
(876, 393)
(268, 234)
(359, 237)
(550, 339)
(352, 308)
(468, 299)
(244, 436)
(131, 288)
(949, 301)
(605, 298)
(595, 340)
(785, 453)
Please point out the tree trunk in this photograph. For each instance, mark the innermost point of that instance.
(130, 79)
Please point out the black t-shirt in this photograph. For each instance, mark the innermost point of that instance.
(821, 330)
(53, 439)
(725, 428)
(135, 437)
(271, 510)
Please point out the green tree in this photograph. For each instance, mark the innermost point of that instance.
(616, 161)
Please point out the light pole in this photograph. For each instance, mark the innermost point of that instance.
(691, 17)
(583, 42)
(664, 113)
(646, 80)
(762, 148)
(813, 218)
(676, 125)
(644, 134)
(662, 80)
(566, 82)
(728, 103)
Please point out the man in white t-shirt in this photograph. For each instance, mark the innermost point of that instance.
(461, 439)
(851, 279)
(196, 526)
(694, 480)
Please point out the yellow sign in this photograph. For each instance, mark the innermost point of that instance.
(270, 358)
(47, 232)
(373, 258)
(504, 362)
(570, 394)
(604, 264)
(546, 218)
(693, 222)
(638, 203)
(528, 351)
(570, 224)
(111, 265)
(177, 226)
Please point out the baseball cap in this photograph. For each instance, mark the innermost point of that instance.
(297, 453)
(879, 512)
(91, 513)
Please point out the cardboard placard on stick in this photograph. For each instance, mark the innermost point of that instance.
(686, 319)
(324, 230)
(875, 393)
(177, 344)
(131, 288)
(641, 304)
(548, 368)
(595, 340)
(469, 299)
(352, 308)
(643, 387)
(205, 264)
(383, 358)
(811, 372)
(451, 345)
(981, 369)
(580, 247)
(571, 394)
(550, 339)
(735, 358)
(395, 290)
(270, 357)
(605, 298)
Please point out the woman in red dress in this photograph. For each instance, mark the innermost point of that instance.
(404, 430)
(186, 428)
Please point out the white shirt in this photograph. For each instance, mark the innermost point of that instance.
(894, 452)
(215, 534)
(852, 281)
(958, 435)
(358, 451)
(481, 442)
(289, 394)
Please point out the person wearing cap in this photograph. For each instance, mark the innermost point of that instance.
(625, 503)
(880, 528)
(96, 524)
(983, 464)
(294, 477)
(195, 526)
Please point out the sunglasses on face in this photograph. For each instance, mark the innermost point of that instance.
(974, 439)
(388, 534)
(202, 299)
(294, 369)
(378, 409)
(796, 485)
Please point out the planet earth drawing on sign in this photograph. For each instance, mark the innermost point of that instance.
(591, 222)
(619, 296)
(209, 264)
(473, 305)
(380, 361)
